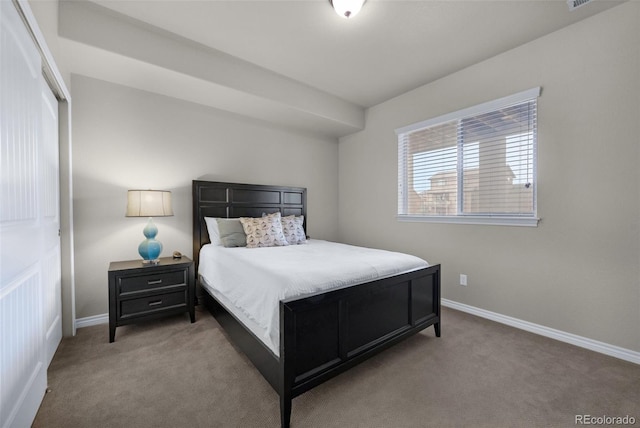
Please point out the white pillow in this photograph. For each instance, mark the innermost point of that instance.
(214, 233)
(293, 229)
(263, 231)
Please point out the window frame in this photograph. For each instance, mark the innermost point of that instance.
(531, 219)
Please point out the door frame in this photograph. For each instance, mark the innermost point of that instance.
(59, 88)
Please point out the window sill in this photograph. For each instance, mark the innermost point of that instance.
(468, 219)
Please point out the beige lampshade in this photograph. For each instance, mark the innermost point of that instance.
(149, 203)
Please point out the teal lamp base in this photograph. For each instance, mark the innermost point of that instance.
(150, 249)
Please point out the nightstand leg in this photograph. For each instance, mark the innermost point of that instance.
(112, 333)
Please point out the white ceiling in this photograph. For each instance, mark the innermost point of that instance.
(389, 48)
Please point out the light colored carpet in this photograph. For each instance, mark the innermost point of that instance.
(171, 373)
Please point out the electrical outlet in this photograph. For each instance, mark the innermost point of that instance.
(463, 279)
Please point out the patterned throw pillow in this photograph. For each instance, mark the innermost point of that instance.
(293, 229)
(263, 231)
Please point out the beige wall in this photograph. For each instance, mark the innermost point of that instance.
(126, 138)
(578, 270)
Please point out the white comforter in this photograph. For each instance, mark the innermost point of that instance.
(256, 279)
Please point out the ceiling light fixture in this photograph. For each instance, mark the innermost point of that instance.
(347, 8)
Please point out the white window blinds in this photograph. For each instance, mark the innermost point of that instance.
(477, 165)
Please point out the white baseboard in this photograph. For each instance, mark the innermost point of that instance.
(583, 342)
(94, 320)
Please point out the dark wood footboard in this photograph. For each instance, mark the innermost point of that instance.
(324, 334)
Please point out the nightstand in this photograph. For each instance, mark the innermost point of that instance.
(140, 292)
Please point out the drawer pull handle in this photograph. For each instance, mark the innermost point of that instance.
(156, 282)
(156, 303)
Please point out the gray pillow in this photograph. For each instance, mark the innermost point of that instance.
(231, 232)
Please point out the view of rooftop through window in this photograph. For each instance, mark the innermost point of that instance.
(519, 156)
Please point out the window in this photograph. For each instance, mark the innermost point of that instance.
(477, 165)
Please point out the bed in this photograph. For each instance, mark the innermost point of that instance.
(320, 333)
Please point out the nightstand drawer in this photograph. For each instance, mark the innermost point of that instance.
(128, 284)
(146, 305)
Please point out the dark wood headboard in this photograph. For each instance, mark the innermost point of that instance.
(232, 200)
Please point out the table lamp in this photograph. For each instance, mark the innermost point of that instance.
(149, 203)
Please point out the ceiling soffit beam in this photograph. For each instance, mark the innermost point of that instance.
(94, 26)
(114, 68)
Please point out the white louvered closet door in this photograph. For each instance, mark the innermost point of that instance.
(29, 224)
